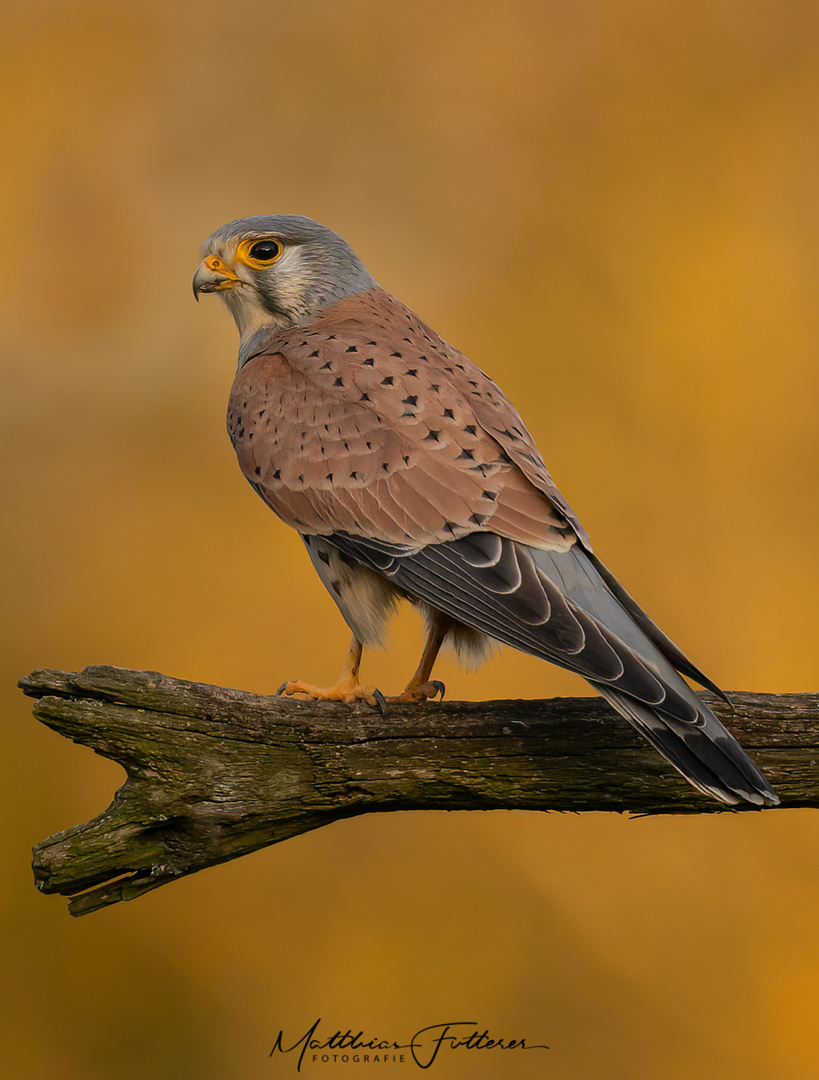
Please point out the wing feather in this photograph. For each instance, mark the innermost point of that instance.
(579, 625)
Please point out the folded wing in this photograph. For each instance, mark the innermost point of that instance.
(560, 607)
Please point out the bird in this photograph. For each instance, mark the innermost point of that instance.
(410, 476)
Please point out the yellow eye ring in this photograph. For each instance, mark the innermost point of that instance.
(260, 253)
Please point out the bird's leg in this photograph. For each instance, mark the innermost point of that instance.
(420, 688)
(347, 689)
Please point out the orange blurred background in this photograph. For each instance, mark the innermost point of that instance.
(610, 206)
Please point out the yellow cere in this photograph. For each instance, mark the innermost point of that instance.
(219, 266)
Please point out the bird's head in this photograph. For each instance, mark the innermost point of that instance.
(278, 270)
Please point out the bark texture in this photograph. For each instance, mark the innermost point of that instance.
(214, 773)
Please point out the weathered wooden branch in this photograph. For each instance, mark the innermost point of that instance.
(214, 773)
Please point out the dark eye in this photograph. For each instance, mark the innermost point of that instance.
(265, 250)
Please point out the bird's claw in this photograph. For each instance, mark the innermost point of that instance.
(347, 692)
(425, 692)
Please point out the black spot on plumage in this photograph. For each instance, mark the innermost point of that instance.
(369, 362)
(336, 587)
(353, 475)
(369, 445)
(364, 397)
(449, 414)
(329, 477)
(385, 465)
(434, 386)
(398, 354)
(339, 382)
(277, 475)
(491, 495)
(326, 367)
(388, 381)
(325, 558)
(258, 470)
(413, 372)
(262, 412)
(432, 436)
(301, 478)
(468, 455)
(352, 348)
(470, 429)
(406, 459)
(411, 400)
(479, 519)
(313, 354)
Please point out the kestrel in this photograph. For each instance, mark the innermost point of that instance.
(410, 475)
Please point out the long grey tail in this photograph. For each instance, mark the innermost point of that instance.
(564, 606)
(705, 753)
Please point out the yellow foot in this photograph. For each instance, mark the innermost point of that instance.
(347, 691)
(425, 692)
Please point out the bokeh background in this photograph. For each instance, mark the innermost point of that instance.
(611, 206)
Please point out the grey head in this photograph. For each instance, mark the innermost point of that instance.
(278, 270)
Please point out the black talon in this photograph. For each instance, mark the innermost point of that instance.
(380, 701)
(282, 688)
(440, 687)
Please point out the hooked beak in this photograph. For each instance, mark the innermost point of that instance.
(213, 275)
